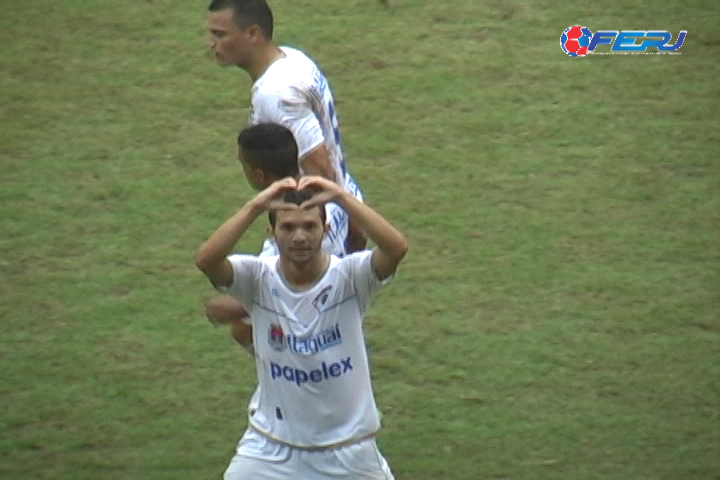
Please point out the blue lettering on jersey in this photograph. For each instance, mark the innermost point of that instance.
(322, 341)
(320, 86)
(319, 81)
(323, 372)
(338, 218)
(352, 186)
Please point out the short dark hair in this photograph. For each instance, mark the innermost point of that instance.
(271, 148)
(297, 197)
(247, 13)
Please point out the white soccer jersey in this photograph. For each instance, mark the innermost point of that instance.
(294, 93)
(311, 360)
(334, 240)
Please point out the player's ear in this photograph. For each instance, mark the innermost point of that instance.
(255, 33)
(326, 228)
(260, 179)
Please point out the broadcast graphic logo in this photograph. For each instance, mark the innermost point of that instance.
(575, 40)
(579, 41)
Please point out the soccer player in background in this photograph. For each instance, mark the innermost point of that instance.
(288, 89)
(316, 416)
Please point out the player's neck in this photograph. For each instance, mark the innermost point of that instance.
(264, 58)
(301, 276)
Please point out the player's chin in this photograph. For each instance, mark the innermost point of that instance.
(301, 255)
(223, 62)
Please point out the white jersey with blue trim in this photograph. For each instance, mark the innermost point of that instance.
(293, 92)
(311, 360)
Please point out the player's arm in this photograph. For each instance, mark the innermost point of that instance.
(391, 245)
(211, 257)
(291, 107)
(356, 239)
(317, 162)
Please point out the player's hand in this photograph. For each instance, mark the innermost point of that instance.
(271, 197)
(325, 191)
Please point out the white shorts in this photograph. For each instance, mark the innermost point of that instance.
(259, 458)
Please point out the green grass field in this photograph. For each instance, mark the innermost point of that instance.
(556, 317)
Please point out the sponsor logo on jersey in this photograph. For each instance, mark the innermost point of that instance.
(276, 337)
(324, 371)
(327, 338)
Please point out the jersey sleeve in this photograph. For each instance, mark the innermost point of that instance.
(290, 107)
(246, 271)
(365, 282)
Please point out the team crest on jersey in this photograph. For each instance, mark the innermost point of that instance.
(322, 298)
(276, 337)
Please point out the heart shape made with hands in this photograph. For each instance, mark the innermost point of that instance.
(313, 191)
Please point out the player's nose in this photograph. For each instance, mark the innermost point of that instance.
(299, 238)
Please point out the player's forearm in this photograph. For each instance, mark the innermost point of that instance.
(315, 168)
(221, 243)
(356, 238)
(318, 163)
(387, 238)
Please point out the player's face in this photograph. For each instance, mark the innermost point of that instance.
(229, 44)
(299, 234)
